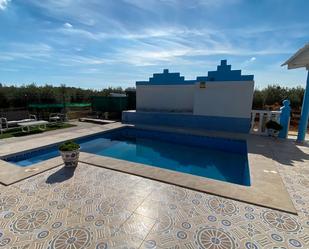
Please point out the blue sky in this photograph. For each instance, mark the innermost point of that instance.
(97, 43)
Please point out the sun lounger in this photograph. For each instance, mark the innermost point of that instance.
(96, 120)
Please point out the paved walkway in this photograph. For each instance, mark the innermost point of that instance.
(79, 125)
(17, 144)
(94, 207)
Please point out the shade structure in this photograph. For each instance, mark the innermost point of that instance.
(298, 60)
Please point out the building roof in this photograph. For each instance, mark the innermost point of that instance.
(299, 59)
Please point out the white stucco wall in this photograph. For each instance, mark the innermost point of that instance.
(175, 98)
(225, 99)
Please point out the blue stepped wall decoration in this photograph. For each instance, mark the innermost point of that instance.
(166, 78)
(224, 73)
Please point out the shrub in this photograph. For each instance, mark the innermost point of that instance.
(69, 146)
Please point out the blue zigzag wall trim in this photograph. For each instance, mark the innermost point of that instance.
(166, 78)
(223, 73)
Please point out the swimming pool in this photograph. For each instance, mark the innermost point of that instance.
(216, 158)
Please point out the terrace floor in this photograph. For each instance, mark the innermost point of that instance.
(94, 207)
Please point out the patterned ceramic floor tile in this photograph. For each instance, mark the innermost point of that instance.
(137, 226)
(93, 207)
(119, 242)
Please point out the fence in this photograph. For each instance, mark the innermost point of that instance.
(259, 118)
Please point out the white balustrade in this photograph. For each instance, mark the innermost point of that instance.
(259, 118)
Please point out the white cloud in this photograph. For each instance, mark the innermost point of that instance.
(248, 62)
(17, 51)
(81, 33)
(152, 40)
(78, 11)
(150, 46)
(152, 5)
(4, 4)
(73, 60)
(68, 25)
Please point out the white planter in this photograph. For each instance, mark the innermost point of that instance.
(272, 132)
(70, 158)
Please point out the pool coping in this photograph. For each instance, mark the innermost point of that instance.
(267, 188)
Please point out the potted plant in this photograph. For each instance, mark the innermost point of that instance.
(273, 128)
(70, 153)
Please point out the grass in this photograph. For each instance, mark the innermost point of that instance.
(18, 133)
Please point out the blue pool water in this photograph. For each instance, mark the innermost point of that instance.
(216, 158)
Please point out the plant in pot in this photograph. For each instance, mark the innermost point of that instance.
(70, 153)
(273, 128)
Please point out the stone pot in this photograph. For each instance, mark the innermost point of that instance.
(70, 158)
(272, 132)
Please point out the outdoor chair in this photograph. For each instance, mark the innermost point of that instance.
(57, 118)
(6, 124)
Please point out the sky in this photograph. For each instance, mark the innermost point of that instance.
(101, 43)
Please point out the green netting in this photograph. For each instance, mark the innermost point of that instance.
(59, 105)
(109, 104)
